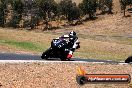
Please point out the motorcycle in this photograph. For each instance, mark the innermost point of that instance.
(59, 49)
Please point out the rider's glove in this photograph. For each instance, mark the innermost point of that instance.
(69, 56)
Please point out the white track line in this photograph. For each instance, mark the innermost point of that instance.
(41, 61)
(49, 62)
(123, 63)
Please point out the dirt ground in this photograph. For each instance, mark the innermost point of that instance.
(56, 75)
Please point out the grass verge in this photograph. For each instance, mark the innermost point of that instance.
(23, 45)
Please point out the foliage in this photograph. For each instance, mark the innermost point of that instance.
(46, 8)
(34, 11)
(17, 7)
(15, 20)
(88, 7)
(70, 10)
(34, 21)
(74, 13)
(105, 6)
(3, 8)
(65, 6)
(124, 3)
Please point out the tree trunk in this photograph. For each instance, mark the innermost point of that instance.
(124, 12)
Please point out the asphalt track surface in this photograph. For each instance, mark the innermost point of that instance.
(26, 57)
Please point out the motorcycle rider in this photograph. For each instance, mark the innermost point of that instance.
(72, 42)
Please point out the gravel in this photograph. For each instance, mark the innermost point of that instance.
(56, 75)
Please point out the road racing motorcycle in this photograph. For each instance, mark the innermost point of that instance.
(59, 49)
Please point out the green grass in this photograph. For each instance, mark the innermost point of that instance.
(23, 45)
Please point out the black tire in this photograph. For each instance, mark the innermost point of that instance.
(63, 59)
(81, 80)
(46, 54)
(63, 56)
(129, 59)
(68, 59)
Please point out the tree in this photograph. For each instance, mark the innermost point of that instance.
(74, 13)
(65, 6)
(70, 10)
(88, 7)
(124, 3)
(46, 9)
(110, 4)
(105, 6)
(3, 9)
(18, 8)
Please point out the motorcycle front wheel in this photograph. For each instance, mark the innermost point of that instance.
(46, 54)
